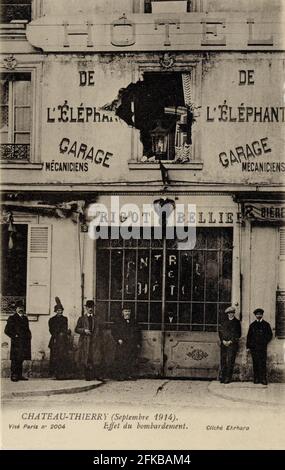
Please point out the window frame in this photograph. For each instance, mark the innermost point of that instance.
(147, 5)
(12, 130)
(35, 71)
(164, 249)
(192, 66)
(22, 3)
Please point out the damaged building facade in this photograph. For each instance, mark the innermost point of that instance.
(138, 103)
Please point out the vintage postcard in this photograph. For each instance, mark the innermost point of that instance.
(142, 224)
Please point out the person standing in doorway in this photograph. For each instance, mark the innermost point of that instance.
(90, 342)
(229, 333)
(58, 344)
(17, 328)
(128, 342)
(258, 337)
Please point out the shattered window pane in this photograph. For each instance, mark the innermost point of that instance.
(160, 107)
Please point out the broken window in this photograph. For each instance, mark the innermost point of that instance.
(167, 6)
(160, 107)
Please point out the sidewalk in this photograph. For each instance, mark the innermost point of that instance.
(45, 387)
(248, 392)
(239, 392)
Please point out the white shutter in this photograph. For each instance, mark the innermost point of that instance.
(39, 269)
(282, 243)
(281, 279)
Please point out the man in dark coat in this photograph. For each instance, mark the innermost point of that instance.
(128, 341)
(229, 333)
(17, 328)
(90, 343)
(258, 337)
(58, 344)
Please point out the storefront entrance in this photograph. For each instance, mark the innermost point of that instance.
(177, 296)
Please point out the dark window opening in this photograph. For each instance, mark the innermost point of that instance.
(148, 4)
(14, 241)
(160, 107)
(12, 10)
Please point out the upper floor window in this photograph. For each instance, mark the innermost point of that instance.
(160, 107)
(15, 102)
(167, 6)
(12, 10)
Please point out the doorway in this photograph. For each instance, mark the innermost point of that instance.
(177, 296)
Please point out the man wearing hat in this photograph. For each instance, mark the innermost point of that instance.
(58, 344)
(258, 337)
(90, 342)
(17, 328)
(229, 333)
(128, 341)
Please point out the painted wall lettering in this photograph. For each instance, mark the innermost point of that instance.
(149, 33)
(167, 23)
(226, 113)
(123, 32)
(86, 78)
(257, 42)
(246, 77)
(210, 29)
(66, 113)
(245, 152)
(85, 152)
(70, 30)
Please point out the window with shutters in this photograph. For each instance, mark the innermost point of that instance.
(39, 269)
(13, 10)
(25, 267)
(16, 116)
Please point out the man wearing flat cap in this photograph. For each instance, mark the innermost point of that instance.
(17, 328)
(258, 337)
(229, 333)
(90, 342)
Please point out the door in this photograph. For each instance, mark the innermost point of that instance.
(177, 297)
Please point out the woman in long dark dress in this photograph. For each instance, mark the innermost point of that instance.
(58, 328)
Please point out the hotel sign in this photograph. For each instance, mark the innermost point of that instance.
(142, 32)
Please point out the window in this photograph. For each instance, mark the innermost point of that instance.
(15, 101)
(25, 267)
(167, 6)
(197, 286)
(160, 107)
(14, 242)
(12, 10)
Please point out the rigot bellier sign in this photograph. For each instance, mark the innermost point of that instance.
(191, 31)
(264, 212)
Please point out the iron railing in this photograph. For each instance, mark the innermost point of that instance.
(8, 303)
(14, 152)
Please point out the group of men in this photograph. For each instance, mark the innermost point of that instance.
(90, 354)
(258, 337)
(127, 338)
